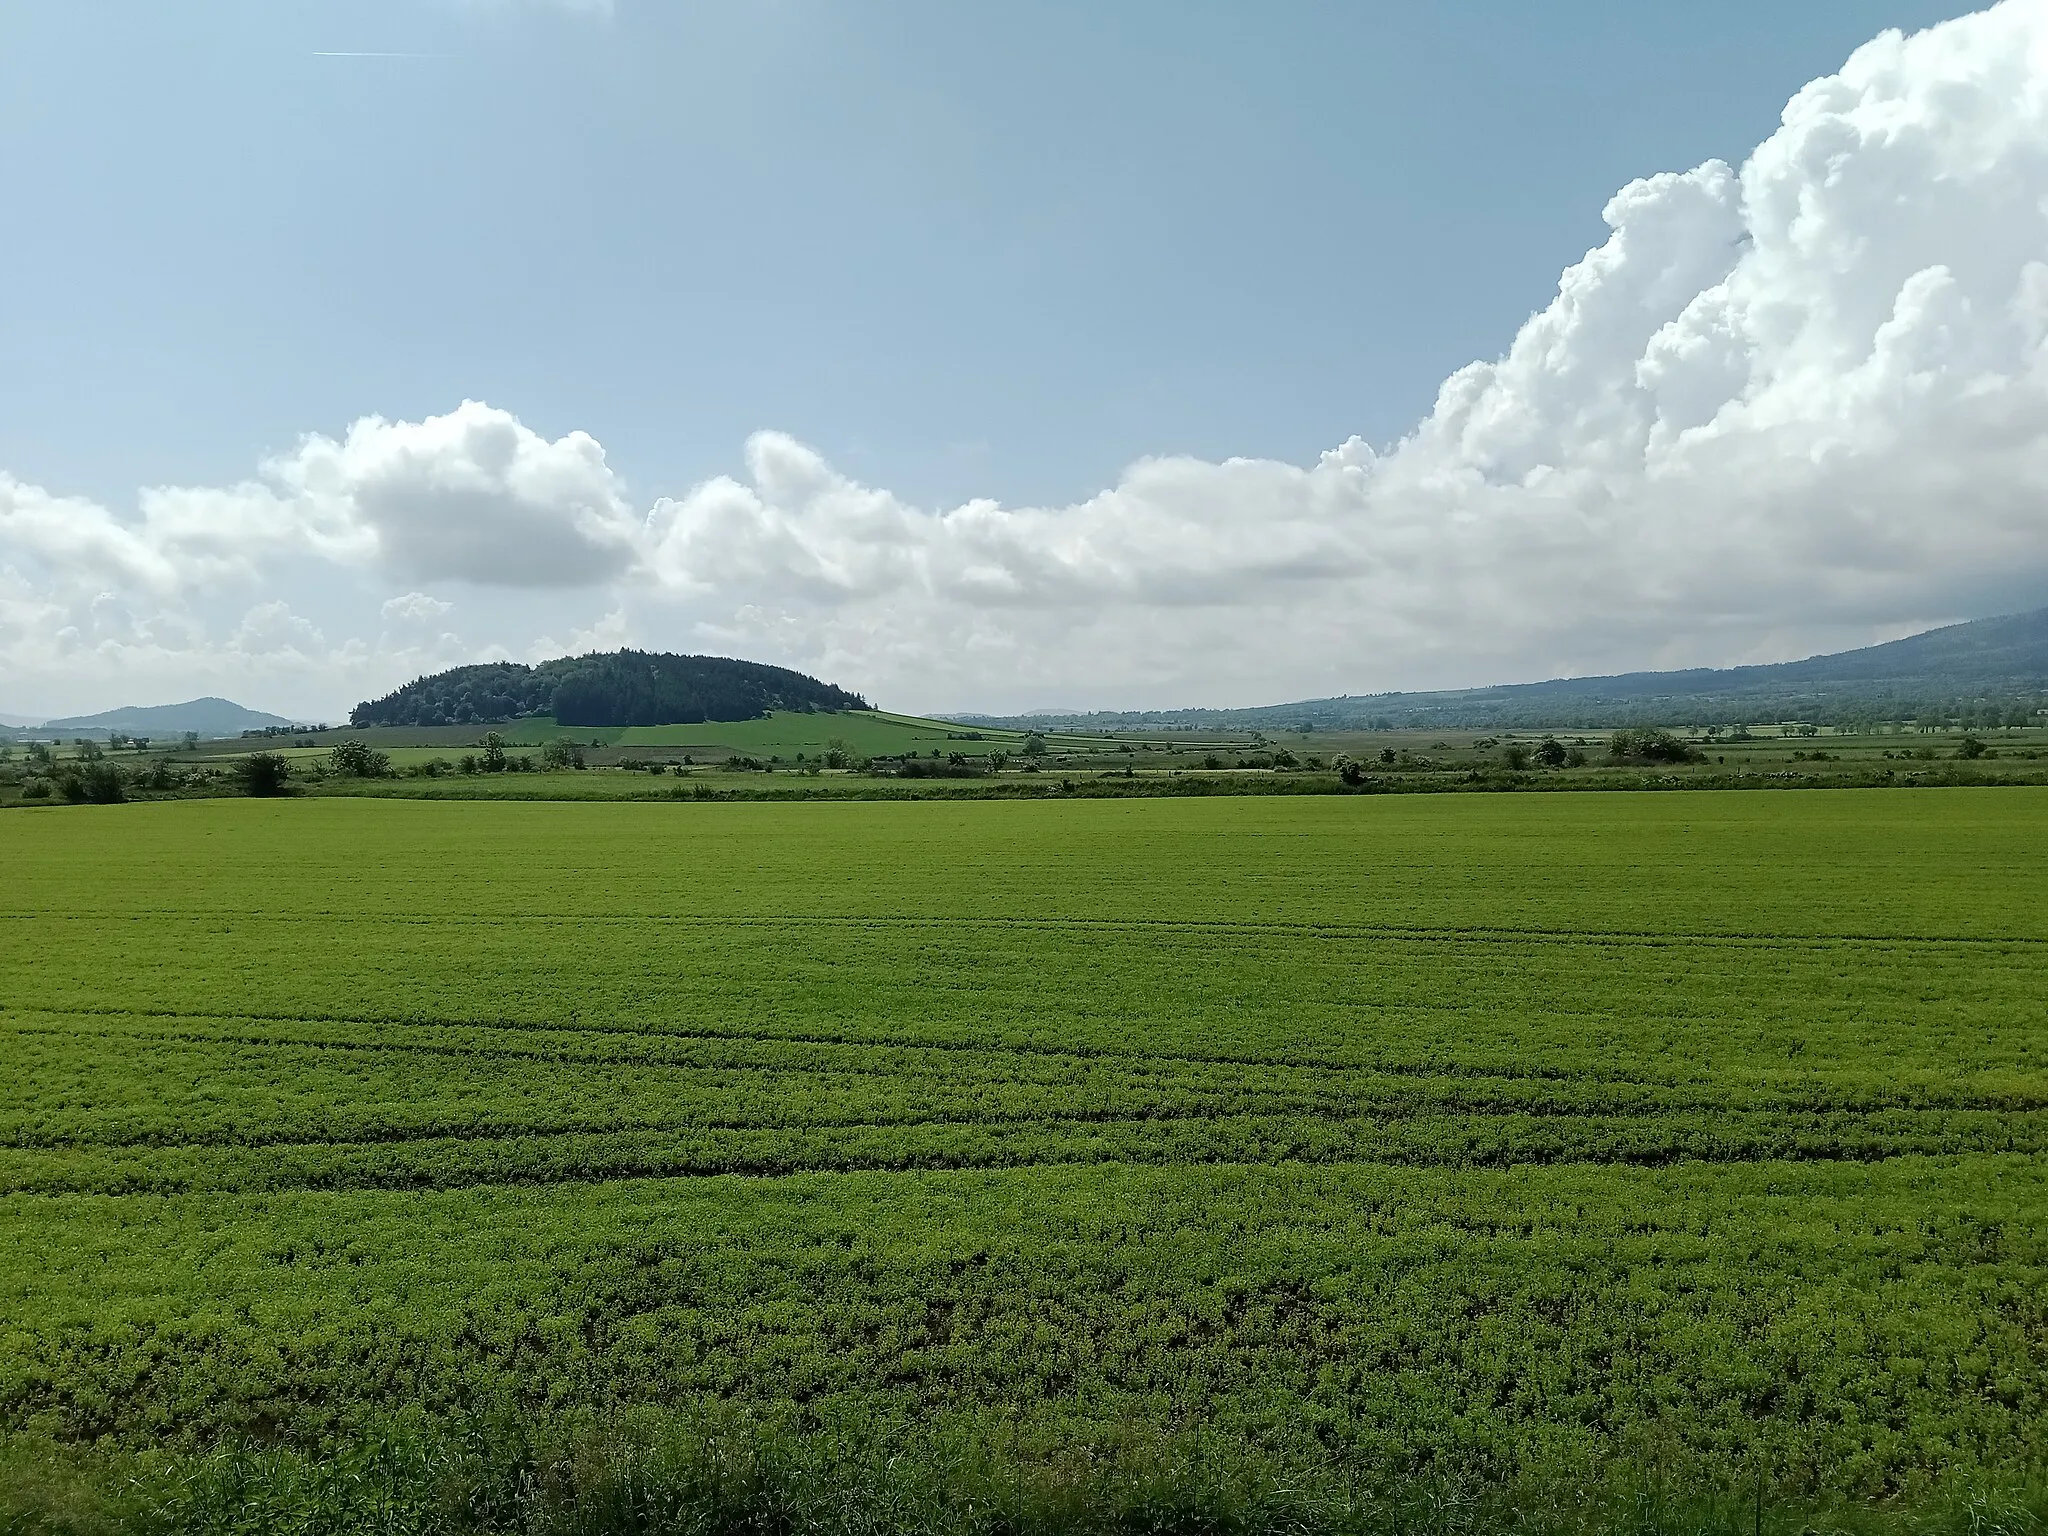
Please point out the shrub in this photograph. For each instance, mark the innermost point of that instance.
(560, 752)
(1651, 745)
(36, 789)
(94, 783)
(932, 768)
(1970, 748)
(1516, 756)
(1550, 752)
(358, 760)
(264, 773)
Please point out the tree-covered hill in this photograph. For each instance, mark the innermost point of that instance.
(610, 688)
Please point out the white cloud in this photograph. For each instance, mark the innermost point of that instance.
(414, 608)
(470, 496)
(1799, 403)
(271, 628)
(1788, 404)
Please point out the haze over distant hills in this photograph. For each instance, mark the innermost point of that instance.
(1960, 671)
(214, 717)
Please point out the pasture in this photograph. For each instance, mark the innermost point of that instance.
(1505, 1141)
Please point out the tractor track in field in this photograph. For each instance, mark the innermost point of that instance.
(1398, 933)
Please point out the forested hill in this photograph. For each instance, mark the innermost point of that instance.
(611, 688)
(1986, 672)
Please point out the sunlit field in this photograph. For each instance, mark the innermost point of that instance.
(1504, 1142)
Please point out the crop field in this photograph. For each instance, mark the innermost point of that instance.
(781, 733)
(1501, 1139)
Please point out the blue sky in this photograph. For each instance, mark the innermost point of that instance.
(955, 251)
(962, 250)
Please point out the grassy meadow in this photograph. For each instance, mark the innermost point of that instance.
(1389, 1162)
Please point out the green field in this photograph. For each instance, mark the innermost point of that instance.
(781, 733)
(1485, 1142)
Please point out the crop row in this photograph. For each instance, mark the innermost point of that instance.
(80, 1083)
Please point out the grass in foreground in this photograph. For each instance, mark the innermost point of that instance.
(1361, 1151)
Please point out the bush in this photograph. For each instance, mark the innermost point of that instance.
(95, 783)
(932, 768)
(358, 760)
(264, 773)
(1970, 748)
(1651, 745)
(1516, 756)
(36, 789)
(560, 752)
(1550, 753)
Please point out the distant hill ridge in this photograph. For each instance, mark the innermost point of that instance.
(606, 689)
(210, 717)
(1976, 672)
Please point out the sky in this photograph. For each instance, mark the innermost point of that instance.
(996, 358)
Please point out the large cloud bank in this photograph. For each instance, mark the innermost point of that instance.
(1799, 403)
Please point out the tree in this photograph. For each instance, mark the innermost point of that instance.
(358, 760)
(1516, 756)
(264, 773)
(1550, 752)
(1034, 745)
(560, 752)
(94, 783)
(1651, 745)
(494, 752)
(1970, 748)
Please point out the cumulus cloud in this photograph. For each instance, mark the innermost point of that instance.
(474, 495)
(1798, 402)
(1804, 398)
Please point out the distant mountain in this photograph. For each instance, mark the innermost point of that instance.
(17, 720)
(1985, 670)
(209, 717)
(607, 688)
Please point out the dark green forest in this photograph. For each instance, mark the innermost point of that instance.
(611, 688)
